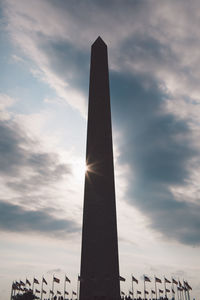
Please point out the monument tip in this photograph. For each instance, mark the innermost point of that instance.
(99, 41)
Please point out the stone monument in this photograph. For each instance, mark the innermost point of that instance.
(99, 276)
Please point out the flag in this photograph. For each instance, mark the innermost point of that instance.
(184, 283)
(122, 278)
(158, 280)
(167, 281)
(134, 279)
(28, 282)
(180, 284)
(37, 291)
(67, 279)
(173, 291)
(161, 291)
(146, 292)
(51, 292)
(43, 280)
(153, 292)
(167, 290)
(73, 293)
(179, 288)
(35, 281)
(22, 283)
(130, 293)
(146, 278)
(59, 293)
(14, 286)
(56, 280)
(174, 281)
(138, 292)
(188, 286)
(66, 293)
(44, 292)
(122, 293)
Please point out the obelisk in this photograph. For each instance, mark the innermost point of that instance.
(99, 276)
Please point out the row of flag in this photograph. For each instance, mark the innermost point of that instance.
(147, 279)
(20, 286)
(180, 286)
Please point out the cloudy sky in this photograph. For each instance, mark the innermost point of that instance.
(154, 62)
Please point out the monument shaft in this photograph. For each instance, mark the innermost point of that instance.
(99, 257)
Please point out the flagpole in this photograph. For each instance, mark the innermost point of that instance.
(185, 293)
(77, 288)
(42, 288)
(144, 288)
(177, 292)
(19, 288)
(184, 289)
(165, 286)
(172, 288)
(188, 294)
(11, 292)
(64, 286)
(180, 290)
(14, 289)
(33, 284)
(132, 287)
(53, 286)
(14, 292)
(155, 286)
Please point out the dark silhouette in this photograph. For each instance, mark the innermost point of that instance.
(99, 257)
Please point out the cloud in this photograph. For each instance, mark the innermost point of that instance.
(23, 165)
(162, 154)
(60, 51)
(5, 102)
(31, 180)
(16, 219)
(155, 79)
